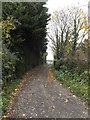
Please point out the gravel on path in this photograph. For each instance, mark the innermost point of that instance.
(42, 96)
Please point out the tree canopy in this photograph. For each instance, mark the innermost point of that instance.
(24, 32)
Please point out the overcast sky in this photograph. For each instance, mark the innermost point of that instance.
(58, 4)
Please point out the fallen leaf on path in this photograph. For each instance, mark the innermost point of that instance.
(35, 114)
(13, 110)
(60, 94)
(84, 103)
(85, 113)
(30, 117)
(53, 98)
(66, 101)
(16, 90)
(10, 101)
(4, 116)
(60, 84)
(52, 108)
(45, 86)
(23, 115)
(74, 96)
(48, 78)
(88, 108)
(46, 116)
(21, 95)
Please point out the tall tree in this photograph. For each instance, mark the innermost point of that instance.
(70, 24)
(28, 39)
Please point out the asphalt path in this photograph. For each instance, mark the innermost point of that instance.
(42, 96)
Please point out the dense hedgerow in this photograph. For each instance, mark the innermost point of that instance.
(9, 61)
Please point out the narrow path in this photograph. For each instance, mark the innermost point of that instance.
(44, 97)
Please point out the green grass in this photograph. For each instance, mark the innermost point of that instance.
(77, 84)
(7, 95)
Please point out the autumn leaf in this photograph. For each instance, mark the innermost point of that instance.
(23, 115)
(66, 101)
(7, 35)
(84, 103)
(74, 96)
(52, 108)
(45, 86)
(16, 90)
(10, 101)
(60, 94)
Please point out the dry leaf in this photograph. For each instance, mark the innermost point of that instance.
(23, 115)
(60, 94)
(14, 94)
(52, 108)
(66, 101)
(53, 98)
(4, 116)
(60, 84)
(74, 96)
(10, 101)
(45, 86)
(84, 103)
(16, 90)
(88, 108)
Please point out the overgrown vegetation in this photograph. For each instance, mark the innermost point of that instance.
(78, 84)
(7, 95)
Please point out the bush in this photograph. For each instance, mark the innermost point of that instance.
(77, 83)
(8, 66)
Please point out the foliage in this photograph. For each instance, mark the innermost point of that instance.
(9, 61)
(31, 20)
(7, 96)
(7, 26)
(77, 83)
(24, 31)
(68, 34)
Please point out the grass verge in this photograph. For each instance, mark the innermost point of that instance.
(8, 94)
(77, 84)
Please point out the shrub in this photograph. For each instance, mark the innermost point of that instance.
(77, 84)
(8, 65)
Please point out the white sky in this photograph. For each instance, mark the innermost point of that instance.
(56, 4)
